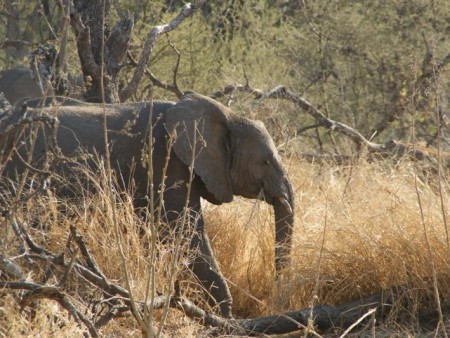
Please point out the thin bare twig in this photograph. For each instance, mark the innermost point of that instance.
(29, 166)
(155, 81)
(85, 252)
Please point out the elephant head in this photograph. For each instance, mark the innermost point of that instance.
(233, 156)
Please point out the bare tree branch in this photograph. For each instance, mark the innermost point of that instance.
(84, 47)
(156, 82)
(391, 148)
(187, 10)
(303, 129)
(85, 252)
(14, 43)
(37, 291)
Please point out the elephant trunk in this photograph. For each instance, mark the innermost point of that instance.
(284, 223)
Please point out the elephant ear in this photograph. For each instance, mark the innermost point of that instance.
(202, 122)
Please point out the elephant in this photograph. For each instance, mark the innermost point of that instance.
(17, 84)
(222, 154)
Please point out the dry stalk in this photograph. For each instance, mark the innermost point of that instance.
(439, 155)
(441, 196)
(430, 254)
(185, 220)
(319, 265)
(155, 218)
(158, 222)
(151, 281)
(111, 197)
(351, 327)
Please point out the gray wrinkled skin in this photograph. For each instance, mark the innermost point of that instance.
(232, 156)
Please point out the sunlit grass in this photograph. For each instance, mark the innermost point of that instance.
(358, 230)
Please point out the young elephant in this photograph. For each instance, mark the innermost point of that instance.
(17, 84)
(231, 155)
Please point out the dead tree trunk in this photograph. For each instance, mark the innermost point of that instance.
(99, 45)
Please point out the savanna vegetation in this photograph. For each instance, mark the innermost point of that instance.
(361, 121)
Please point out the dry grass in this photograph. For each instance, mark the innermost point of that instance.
(358, 230)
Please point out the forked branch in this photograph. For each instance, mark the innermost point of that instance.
(187, 10)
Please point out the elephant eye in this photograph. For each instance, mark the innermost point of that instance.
(267, 162)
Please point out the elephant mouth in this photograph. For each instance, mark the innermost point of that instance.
(282, 200)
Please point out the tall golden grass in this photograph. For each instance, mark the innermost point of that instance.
(359, 229)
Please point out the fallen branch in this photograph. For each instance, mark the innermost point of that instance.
(37, 292)
(325, 318)
(117, 301)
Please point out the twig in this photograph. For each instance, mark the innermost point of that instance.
(85, 252)
(351, 327)
(14, 43)
(22, 233)
(29, 166)
(302, 130)
(170, 87)
(67, 271)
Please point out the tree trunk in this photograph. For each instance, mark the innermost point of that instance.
(98, 45)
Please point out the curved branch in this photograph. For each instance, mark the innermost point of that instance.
(187, 10)
(84, 47)
(302, 130)
(155, 81)
(391, 148)
(37, 291)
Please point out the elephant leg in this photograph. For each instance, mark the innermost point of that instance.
(207, 270)
(203, 265)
